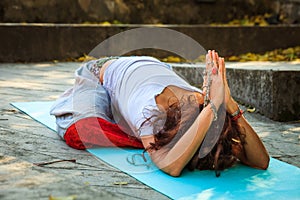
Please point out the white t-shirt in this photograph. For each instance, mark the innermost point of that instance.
(132, 84)
(86, 98)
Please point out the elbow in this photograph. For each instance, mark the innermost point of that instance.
(173, 169)
(264, 164)
(175, 172)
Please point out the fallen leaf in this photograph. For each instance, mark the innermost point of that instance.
(173, 59)
(121, 183)
(251, 110)
(289, 54)
(72, 197)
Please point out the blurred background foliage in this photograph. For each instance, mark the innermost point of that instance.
(236, 12)
(179, 12)
(289, 54)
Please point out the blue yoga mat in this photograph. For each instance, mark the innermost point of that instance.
(280, 181)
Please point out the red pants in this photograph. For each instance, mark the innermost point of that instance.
(96, 132)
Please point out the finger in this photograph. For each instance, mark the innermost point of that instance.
(210, 57)
(209, 60)
(217, 58)
(221, 69)
(224, 70)
(223, 63)
(211, 54)
(214, 58)
(206, 64)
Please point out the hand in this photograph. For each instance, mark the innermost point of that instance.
(231, 105)
(214, 78)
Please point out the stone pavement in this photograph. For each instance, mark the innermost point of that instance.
(24, 142)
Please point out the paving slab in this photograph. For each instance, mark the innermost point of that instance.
(24, 142)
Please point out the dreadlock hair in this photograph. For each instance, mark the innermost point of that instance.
(178, 118)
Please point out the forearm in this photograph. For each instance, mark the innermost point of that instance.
(254, 152)
(172, 161)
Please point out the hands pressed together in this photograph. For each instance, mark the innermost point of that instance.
(253, 152)
(215, 82)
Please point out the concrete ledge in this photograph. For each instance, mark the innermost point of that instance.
(46, 42)
(272, 88)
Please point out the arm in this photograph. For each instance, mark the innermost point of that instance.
(253, 153)
(173, 160)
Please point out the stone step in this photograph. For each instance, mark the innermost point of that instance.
(46, 42)
(271, 87)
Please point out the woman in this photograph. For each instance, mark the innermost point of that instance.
(156, 108)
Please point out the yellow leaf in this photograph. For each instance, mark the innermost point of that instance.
(233, 58)
(264, 23)
(251, 110)
(263, 58)
(116, 22)
(288, 51)
(72, 197)
(201, 58)
(172, 59)
(121, 183)
(289, 54)
(81, 59)
(297, 60)
(105, 23)
(280, 58)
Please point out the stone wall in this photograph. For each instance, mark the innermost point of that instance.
(143, 11)
(272, 88)
(46, 42)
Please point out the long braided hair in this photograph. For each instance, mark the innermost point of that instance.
(178, 118)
